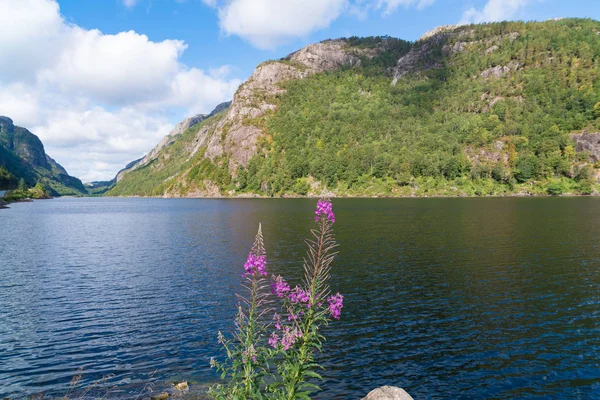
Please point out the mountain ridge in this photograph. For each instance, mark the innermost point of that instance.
(462, 111)
(22, 156)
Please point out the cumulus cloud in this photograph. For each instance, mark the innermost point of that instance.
(494, 10)
(96, 99)
(267, 24)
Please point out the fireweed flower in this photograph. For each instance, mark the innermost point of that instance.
(279, 287)
(289, 337)
(299, 295)
(336, 305)
(255, 265)
(324, 207)
(277, 319)
(274, 340)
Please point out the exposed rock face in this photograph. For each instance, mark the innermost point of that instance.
(328, 56)
(495, 72)
(22, 153)
(256, 97)
(437, 30)
(418, 58)
(388, 393)
(170, 139)
(23, 143)
(491, 49)
(500, 70)
(588, 142)
(235, 134)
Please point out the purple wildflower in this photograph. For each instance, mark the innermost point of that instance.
(255, 265)
(279, 287)
(324, 208)
(289, 337)
(336, 305)
(274, 340)
(277, 319)
(299, 295)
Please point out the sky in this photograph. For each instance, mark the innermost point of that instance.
(102, 81)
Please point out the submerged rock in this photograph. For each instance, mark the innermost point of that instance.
(388, 393)
(181, 386)
(162, 396)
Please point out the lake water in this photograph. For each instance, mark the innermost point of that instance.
(493, 298)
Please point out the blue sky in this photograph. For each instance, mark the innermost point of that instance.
(102, 81)
(198, 24)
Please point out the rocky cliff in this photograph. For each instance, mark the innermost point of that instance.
(22, 154)
(234, 134)
(478, 109)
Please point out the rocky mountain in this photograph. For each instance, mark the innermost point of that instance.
(101, 187)
(22, 156)
(465, 110)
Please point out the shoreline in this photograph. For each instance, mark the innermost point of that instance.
(333, 196)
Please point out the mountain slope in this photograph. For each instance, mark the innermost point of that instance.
(22, 156)
(480, 109)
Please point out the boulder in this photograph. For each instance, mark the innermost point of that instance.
(388, 393)
(181, 386)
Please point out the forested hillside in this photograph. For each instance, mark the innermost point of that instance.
(471, 110)
(22, 157)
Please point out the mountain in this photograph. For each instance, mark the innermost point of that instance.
(488, 109)
(101, 187)
(22, 156)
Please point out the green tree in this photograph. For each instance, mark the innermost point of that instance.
(22, 186)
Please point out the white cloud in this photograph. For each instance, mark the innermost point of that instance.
(130, 3)
(96, 99)
(494, 10)
(267, 24)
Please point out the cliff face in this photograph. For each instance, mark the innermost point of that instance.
(234, 133)
(22, 154)
(465, 110)
(170, 139)
(23, 144)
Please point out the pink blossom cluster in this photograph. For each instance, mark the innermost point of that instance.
(279, 287)
(325, 208)
(255, 265)
(289, 337)
(284, 335)
(336, 305)
(298, 295)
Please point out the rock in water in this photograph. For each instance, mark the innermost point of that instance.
(388, 393)
(182, 386)
(162, 396)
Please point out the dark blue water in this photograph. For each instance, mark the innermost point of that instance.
(447, 298)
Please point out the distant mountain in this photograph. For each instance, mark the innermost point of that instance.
(103, 186)
(490, 109)
(22, 156)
